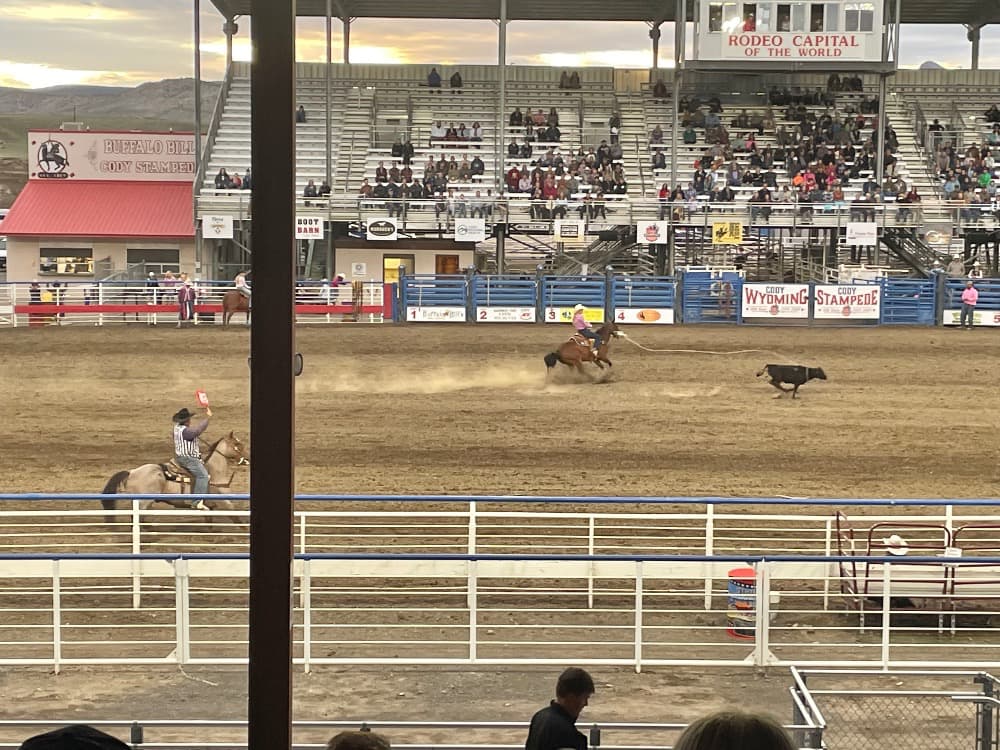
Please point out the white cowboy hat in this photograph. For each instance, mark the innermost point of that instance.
(579, 307)
(896, 545)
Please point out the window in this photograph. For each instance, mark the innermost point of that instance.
(798, 16)
(859, 17)
(731, 19)
(764, 20)
(715, 17)
(833, 17)
(66, 261)
(815, 17)
(156, 260)
(749, 17)
(784, 18)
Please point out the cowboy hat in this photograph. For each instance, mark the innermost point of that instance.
(76, 737)
(896, 545)
(579, 307)
(183, 415)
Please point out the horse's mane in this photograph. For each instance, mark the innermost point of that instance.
(213, 446)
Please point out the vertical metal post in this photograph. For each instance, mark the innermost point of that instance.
(136, 549)
(473, 528)
(975, 35)
(501, 245)
(228, 28)
(637, 644)
(329, 81)
(680, 10)
(590, 565)
(709, 551)
(347, 39)
(182, 600)
(886, 612)
(473, 601)
(56, 618)
(272, 392)
(498, 156)
(198, 249)
(306, 597)
(654, 34)
(880, 156)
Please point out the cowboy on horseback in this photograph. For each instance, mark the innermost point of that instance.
(242, 285)
(583, 328)
(188, 453)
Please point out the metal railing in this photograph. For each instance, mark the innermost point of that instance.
(213, 129)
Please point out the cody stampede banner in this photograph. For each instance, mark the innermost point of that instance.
(775, 301)
(111, 155)
(846, 302)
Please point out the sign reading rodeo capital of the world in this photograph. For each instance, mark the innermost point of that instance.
(110, 155)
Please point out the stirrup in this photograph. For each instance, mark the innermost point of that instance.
(200, 505)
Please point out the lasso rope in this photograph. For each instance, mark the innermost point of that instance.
(699, 351)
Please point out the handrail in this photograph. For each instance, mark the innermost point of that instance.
(213, 128)
(350, 164)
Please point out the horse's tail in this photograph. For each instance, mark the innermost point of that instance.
(111, 488)
(551, 359)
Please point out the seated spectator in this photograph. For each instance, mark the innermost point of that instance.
(365, 190)
(657, 135)
(381, 193)
(735, 730)
(451, 134)
(477, 167)
(560, 204)
(247, 181)
(434, 80)
(438, 131)
(381, 173)
(406, 174)
(992, 114)
(616, 153)
(759, 205)
(358, 741)
(464, 170)
(553, 118)
(690, 136)
(659, 160)
(525, 151)
(476, 132)
(393, 172)
(324, 189)
(524, 183)
(512, 149)
(456, 82)
(300, 114)
(310, 191)
(659, 89)
(516, 118)
(574, 80)
(222, 180)
(395, 194)
(407, 152)
(397, 149)
(564, 80)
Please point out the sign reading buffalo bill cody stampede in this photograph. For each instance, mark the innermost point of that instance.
(111, 155)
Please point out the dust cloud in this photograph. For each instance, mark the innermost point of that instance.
(432, 380)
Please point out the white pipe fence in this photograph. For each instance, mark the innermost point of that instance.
(636, 611)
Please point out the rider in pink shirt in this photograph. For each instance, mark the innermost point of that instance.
(583, 327)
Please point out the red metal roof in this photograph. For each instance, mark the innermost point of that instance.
(70, 208)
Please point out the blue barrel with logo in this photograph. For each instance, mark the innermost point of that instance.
(741, 609)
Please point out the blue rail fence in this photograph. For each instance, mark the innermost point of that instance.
(699, 296)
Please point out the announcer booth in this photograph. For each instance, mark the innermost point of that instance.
(99, 203)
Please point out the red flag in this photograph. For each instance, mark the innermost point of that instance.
(202, 398)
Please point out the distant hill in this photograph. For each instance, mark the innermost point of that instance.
(931, 65)
(161, 105)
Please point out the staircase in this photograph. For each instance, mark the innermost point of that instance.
(624, 254)
(355, 140)
(911, 250)
(912, 158)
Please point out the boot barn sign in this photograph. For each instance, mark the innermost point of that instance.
(755, 45)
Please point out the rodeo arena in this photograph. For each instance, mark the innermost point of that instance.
(682, 376)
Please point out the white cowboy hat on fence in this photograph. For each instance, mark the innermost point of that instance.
(896, 545)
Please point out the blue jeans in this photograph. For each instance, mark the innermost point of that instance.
(967, 314)
(198, 471)
(591, 334)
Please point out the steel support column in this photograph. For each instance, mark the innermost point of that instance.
(654, 34)
(198, 246)
(880, 132)
(272, 393)
(499, 140)
(501, 241)
(329, 77)
(228, 27)
(680, 13)
(347, 39)
(975, 36)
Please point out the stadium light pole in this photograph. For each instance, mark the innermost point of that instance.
(198, 245)
(329, 76)
(272, 394)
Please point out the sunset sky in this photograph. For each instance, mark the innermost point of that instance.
(125, 43)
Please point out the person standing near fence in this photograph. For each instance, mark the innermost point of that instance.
(185, 303)
(970, 296)
(554, 727)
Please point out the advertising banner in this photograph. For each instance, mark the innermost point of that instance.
(384, 229)
(104, 155)
(568, 231)
(565, 314)
(505, 314)
(775, 300)
(217, 227)
(652, 232)
(470, 230)
(979, 317)
(308, 228)
(727, 233)
(864, 233)
(832, 302)
(645, 316)
(435, 314)
(772, 45)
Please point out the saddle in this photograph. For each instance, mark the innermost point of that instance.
(174, 472)
(580, 340)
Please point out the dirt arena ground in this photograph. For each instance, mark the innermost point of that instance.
(463, 409)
